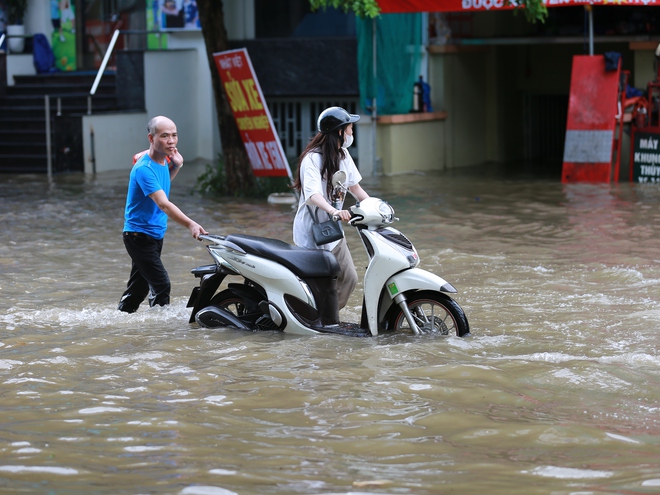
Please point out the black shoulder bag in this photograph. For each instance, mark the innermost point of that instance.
(325, 232)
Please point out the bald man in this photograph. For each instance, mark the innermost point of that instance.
(145, 218)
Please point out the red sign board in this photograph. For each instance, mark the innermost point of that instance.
(402, 6)
(251, 113)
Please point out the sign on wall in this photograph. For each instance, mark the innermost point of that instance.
(251, 113)
(167, 15)
(400, 6)
(63, 39)
(645, 157)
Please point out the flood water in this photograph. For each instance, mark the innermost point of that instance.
(556, 392)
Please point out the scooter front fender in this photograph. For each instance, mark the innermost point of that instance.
(402, 282)
(416, 279)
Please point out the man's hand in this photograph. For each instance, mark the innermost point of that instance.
(196, 230)
(176, 158)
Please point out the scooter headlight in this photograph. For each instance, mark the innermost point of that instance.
(386, 211)
(373, 212)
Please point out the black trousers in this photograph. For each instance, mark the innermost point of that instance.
(148, 275)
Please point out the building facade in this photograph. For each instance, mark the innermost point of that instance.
(499, 85)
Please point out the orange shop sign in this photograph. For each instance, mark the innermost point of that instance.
(251, 113)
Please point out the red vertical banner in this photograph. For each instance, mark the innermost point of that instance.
(251, 113)
(590, 124)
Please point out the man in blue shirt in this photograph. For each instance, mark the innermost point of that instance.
(145, 217)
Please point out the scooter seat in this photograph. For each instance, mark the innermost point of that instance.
(306, 263)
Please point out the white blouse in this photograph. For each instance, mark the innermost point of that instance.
(312, 183)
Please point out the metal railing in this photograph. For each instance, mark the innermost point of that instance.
(104, 64)
(47, 116)
(92, 92)
(295, 119)
(5, 36)
(108, 54)
(49, 150)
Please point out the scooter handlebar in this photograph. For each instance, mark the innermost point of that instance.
(211, 237)
(354, 218)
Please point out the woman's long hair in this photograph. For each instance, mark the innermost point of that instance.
(329, 146)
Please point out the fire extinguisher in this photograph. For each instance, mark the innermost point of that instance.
(418, 95)
(641, 117)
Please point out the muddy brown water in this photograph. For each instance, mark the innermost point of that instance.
(557, 391)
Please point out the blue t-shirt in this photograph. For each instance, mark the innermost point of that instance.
(54, 9)
(142, 213)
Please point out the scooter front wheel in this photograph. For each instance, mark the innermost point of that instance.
(434, 313)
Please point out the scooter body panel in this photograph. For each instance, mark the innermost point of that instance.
(385, 262)
(273, 277)
(276, 279)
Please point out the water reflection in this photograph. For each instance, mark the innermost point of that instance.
(556, 390)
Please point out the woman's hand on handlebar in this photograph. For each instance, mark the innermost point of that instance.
(344, 215)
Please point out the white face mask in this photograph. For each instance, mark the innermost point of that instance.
(348, 140)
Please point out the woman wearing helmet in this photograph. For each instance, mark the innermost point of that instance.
(325, 154)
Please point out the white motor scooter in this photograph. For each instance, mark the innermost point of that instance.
(291, 289)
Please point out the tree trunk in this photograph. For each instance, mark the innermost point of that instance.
(237, 164)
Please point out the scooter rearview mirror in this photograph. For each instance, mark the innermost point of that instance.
(338, 178)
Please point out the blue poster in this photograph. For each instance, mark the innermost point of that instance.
(178, 14)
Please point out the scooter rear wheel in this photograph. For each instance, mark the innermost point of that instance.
(229, 301)
(434, 313)
(243, 309)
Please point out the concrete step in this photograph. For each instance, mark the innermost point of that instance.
(23, 119)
